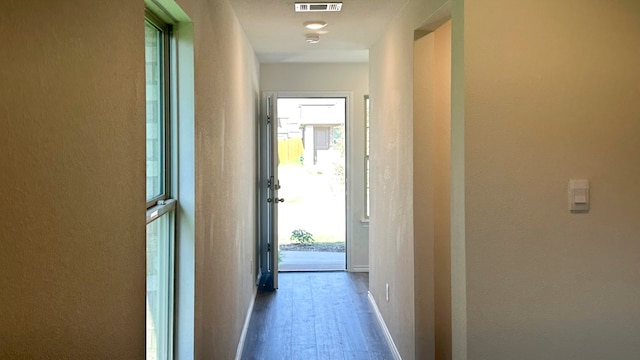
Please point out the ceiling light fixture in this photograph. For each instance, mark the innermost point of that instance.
(313, 38)
(315, 25)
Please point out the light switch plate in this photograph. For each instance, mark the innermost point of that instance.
(579, 195)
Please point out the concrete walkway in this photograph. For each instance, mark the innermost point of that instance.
(312, 261)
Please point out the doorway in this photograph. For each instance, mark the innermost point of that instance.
(303, 187)
(311, 169)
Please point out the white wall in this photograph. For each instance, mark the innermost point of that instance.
(354, 78)
(551, 95)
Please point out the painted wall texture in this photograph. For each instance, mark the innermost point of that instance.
(226, 108)
(544, 96)
(424, 155)
(551, 95)
(442, 192)
(392, 188)
(348, 77)
(72, 243)
(391, 228)
(431, 208)
(72, 180)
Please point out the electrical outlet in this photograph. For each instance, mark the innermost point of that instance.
(387, 291)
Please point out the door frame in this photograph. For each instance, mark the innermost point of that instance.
(262, 171)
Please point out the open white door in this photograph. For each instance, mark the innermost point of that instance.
(269, 200)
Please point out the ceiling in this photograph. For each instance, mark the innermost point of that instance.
(277, 34)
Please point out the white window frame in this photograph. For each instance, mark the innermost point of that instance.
(367, 135)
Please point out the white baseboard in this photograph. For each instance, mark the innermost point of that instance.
(359, 268)
(245, 328)
(385, 330)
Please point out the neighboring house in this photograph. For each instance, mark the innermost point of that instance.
(316, 121)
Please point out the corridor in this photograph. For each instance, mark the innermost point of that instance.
(317, 315)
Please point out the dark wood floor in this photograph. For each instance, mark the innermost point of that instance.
(316, 315)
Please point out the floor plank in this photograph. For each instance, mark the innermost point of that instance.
(316, 315)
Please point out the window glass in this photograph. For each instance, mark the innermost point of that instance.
(155, 111)
(159, 239)
(160, 230)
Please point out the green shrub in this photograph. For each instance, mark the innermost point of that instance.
(302, 237)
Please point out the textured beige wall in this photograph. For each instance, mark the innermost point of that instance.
(424, 91)
(431, 208)
(72, 180)
(458, 246)
(442, 191)
(226, 101)
(391, 228)
(391, 237)
(72, 249)
(349, 77)
(552, 94)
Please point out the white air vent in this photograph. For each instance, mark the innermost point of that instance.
(311, 7)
